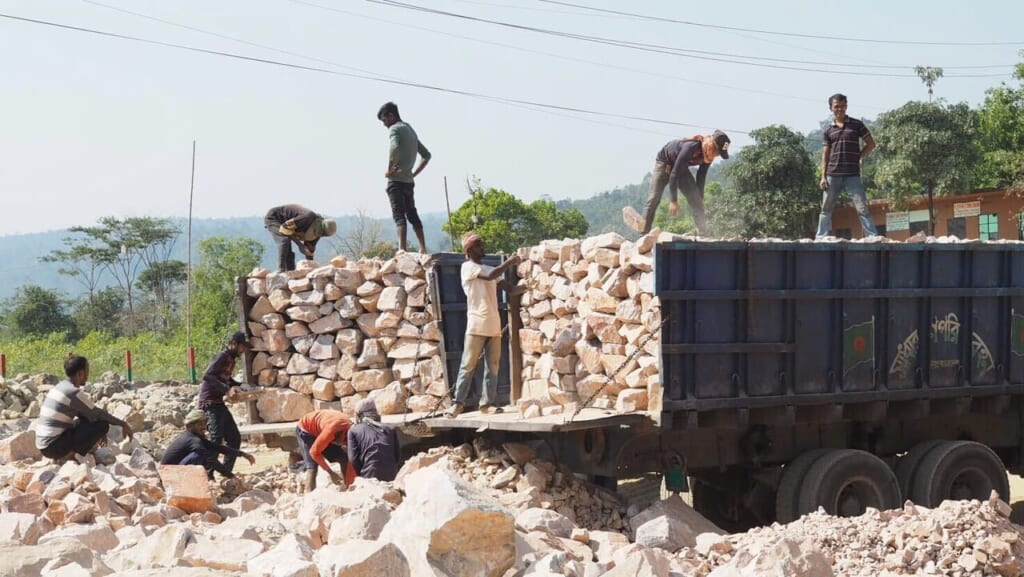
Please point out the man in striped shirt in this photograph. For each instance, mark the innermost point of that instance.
(69, 422)
(840, 166)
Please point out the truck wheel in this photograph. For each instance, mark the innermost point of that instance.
(846, 482)
(789, 485)
(959, 470)
(908, 465)
(734, 511)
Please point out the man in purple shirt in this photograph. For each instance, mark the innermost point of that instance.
(672, 167)
(840, 166)
(218, 383)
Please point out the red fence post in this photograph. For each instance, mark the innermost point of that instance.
(128, 364)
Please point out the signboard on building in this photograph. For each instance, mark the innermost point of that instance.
(961, 209)
(918, 216)
(897, 221)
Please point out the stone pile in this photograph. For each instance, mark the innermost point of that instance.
(329, 336)
(590, 324)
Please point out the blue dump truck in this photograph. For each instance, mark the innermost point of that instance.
(800, 375)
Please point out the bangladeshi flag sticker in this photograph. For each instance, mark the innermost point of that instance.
(859, 345)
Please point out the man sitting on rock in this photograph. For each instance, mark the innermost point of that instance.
(372, 445)
(483, 323)
(321, 436)
(218, 384)
(191, 447)
(69, 422)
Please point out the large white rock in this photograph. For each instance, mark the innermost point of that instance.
(329, 323)
(163, 548)
(537, 519)
(291, 557)
(19, 446)
(446, 526)
(100, 538)
(365, 523)
(371, 379)
(323, 348)
(205, 552)
(362, 559)
(670, 524)
(281, 405)
(19, 528)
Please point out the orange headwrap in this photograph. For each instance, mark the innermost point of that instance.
(708, 146)
(469, 239)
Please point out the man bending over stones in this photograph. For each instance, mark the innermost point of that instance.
(69, 422)
(372, 445)
(191, 447)
(321, 436)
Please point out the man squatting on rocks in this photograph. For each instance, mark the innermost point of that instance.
(483, 323)
(295, 223)
(322, 435)
(218, 384)
(404, 145)
(372, 445)
(672, 167)
(840, 166)
(69, 422)
(191, 447)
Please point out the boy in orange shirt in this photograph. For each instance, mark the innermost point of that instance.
(322, 436)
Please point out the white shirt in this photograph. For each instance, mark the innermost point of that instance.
(481, 300)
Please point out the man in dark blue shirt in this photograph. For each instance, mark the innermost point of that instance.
(372, 445)
(217, 383)
(840, 166)
(192, 447)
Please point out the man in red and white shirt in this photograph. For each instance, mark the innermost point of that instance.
(483, 323)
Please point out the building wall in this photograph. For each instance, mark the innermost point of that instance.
(1007, 207)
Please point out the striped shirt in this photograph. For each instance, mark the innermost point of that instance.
(61, 406)
(844, 146)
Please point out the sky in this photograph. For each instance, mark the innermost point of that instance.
(95, 125)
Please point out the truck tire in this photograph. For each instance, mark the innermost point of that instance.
(959, 470)
(789, 484)
(908, 465)
(846, 482)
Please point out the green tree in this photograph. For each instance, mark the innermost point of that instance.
(381, 249)
(926, 148)
(773, 188)
(221, 260)
(929, 75)
(160, 282)
(100, 312)
(507, 223)
(1001, 136)
(36, 311)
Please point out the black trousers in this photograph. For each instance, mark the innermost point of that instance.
(223, 430)
(403, 204)
(80, 439)
(285, 253)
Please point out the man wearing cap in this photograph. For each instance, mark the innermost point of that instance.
(322, 435)
(295, 223)
(372, 445)
(404, 147)
(191, 447)
(217, 384)
(841, 156)
(483, 325)
(672, 167)
(68, 421)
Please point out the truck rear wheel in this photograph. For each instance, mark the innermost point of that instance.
(846, 482)
(908, 465)
(959, 470)
(789, 486)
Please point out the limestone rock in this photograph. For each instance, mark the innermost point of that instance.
(361, 558)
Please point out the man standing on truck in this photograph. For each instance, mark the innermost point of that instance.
(372, 445)
(219, 384)
(68, 421)
(290, 223)
(840, 166)
(402, 151)
(322, 435)
(672, 167)
(191, 447)
(483, 325)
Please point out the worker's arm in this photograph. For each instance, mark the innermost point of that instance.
(354, 452)
(298, 224)
(214, 375)
(826, 151)
(497, 272)
(210, 446)
(702, 175)
(681, 167)
(424, 158)
(83, 406)
(511, 289)
(869, 144)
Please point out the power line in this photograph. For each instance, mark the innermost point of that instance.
(765, 62)
(777, 33)
(563, 56)
(501, 99)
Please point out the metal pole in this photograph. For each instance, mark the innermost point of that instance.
(188, 283)
(451, 227)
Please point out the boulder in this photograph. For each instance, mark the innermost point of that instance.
(19, 528)
(361, 558)
(186, 487)
(371, 379)
(205, 552)
(18, 560)
(537, 519)
(674, 523)
(163, 548)
(98, 538)
(365, 523)
(291, 557)
(282, 405)
(449, 526)
(19, 446)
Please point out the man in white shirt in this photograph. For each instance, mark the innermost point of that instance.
(483, 325)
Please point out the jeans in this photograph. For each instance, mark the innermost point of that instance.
(333, 453)
(285, 254)
(492, 360)
(223, 430)
(80, 439)
(659, 180)
(852, 185)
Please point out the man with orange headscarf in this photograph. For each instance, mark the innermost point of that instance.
(483, 325)
(672, 167)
